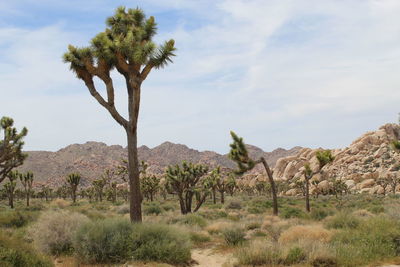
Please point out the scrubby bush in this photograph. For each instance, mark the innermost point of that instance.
(161, 243)
(213, 214)
(54, 231)
(123, 209)
(152, 209)
(327, 261)
(60, 203)
(199, 237)
(218, 227)
(295, 255)
(342, 220)
(253, 225)
(299, 233)
(14, 218)
(259, 253)
(319, 214)
(104, 241)
(234, 205)
(190, 219)
(15, 253)
(233, 236)
(290, 212)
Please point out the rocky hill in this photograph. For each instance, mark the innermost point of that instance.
(92, 158)
(359, 165)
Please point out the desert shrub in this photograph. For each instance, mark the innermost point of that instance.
(218, 227)
(374, 239)
(15, 253)
(214, 206)
(191, 219)
(152, 209)
(274, 226)
(234, 216)
(342, 220)
(14, 218)
(234, 205)
(363, 213)
(257, 206)
(213, 214)
(295, 255)
(258, 253)
(199, 237)
(319, 214)
(123, 209)
(168, 207)
(376, 209)
(54, 231)
(290, 212)
(314, 233)
(104, 241)
(233, 236)
(154, 242)
(253, 225)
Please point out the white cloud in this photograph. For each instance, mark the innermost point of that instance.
(280, 73)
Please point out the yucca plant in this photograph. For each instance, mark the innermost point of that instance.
(27, 182)
(73, 180)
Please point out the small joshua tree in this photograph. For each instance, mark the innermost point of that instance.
(11, 144)
(308, 173)
(27, 181)
(239, 154)
(73, 180)
(10, 187)
(127, 46)
(384, 182)
(186, 182)
(99, 185)
(231, 185)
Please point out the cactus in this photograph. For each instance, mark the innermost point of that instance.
(73, 180)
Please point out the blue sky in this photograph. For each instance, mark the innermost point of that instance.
(280, 73)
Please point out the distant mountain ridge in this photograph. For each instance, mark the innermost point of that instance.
(92, 158)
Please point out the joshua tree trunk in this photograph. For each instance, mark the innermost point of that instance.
(214, 198)
(307, 194)
(11, 200)
(222, 197)
(27, 199)
(273, 186)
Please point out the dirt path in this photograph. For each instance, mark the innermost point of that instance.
(209, 258)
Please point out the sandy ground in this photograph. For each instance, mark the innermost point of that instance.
(209, 258)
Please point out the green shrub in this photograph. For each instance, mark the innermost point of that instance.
(295, 255)
(123, 209)
(168, 207)
(14, 219)
(15, 253)
(343, 220)
(258, 253)
(104, 241)
(257, 206)
(376, 238)
(234, 205)
(198, 237)
(213, 214)
(376, 209)
(233, 236)
(54, 231)
(152, 209)
(292, 213)
(319, 214)
(190, 219)
(253, 225)
(161, 243)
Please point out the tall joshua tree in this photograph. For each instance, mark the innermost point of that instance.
(239, 154)
(73, 180)
(10, 186)
(11, 144)
(127, 46)
(27, 181)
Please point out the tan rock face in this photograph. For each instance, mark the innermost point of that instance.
(368, 158)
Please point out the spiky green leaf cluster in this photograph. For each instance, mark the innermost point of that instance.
(396, 145)
(11, 144)
(74, 179)
(128, 37)
(26, 179)
(239, 154)
(324, 157)
(307, 171)
(186, 176)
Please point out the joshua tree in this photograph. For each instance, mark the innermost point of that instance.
(99, 185)
(10, 186)
(150, 185)
(308, 173)
(231, 184)
(127, 46)
(11, 144)
(239, 154)
(27, 181)
(73, 180)
(186, 182)
(211, 183)
(384, 182)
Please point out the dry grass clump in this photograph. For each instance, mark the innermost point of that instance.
(299, 233)
(363, 213)
(259, 253)
(218, 227)
(54, 231)
(274, 226)
(59, 203)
